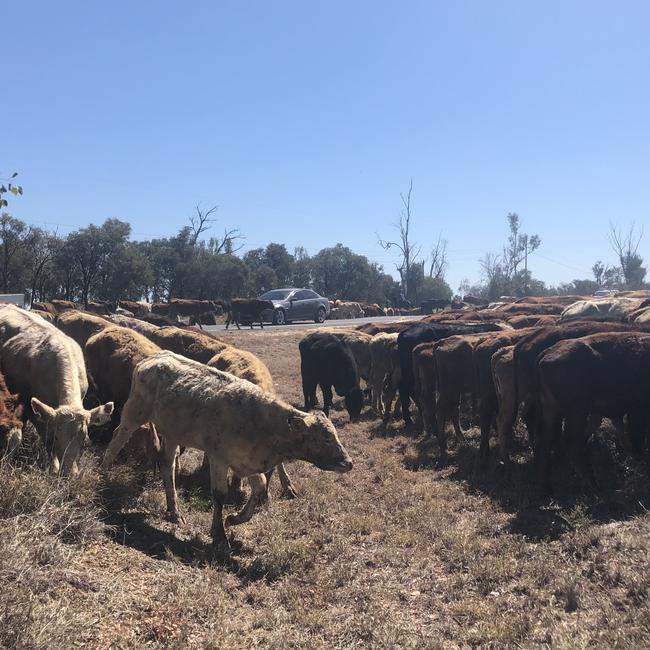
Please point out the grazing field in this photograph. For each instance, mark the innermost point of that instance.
(396, 553)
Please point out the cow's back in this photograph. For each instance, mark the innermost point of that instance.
(39, 360)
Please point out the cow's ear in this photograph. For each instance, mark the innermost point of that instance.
(296, 423)
(42, 411)
(101, 414)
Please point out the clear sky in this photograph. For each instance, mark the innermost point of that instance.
(304, 120)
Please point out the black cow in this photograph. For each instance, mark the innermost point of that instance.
(435, 304)
(426, 333)
(326, 361)
(247, 309)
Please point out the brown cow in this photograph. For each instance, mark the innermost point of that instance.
(136, 324)
(455, 376)
(101, 308)
(47, 307)
(63, 305)
(136, 308)
(543, 309)
(192, 344)
(506, 392)
(487, 396)
(607, 374)
(520, 321)
(11, 419)
(80, 326)
(384, 372)
(160, 308)
(524, 364)
(111, 356)
(45, 315)
(444, 371)
(383, 328)
(192, 308)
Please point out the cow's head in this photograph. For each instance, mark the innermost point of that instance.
(318, 443)
(354, 403)
(66, 430)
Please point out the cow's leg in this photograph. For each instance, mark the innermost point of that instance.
(546, 433)
(405, 399)
(576, 435)
(235, 491)
(326, 389)
(228, 319)
(486, 417)
(288, 491)
(219, 489)
(428, 412)
(506, 416)
(455, 420)
(376, 380)
(135, 413)
(167, 462)
(258, 492)
(528, 413)
(389, 396)
(309, 385)
(621, 441)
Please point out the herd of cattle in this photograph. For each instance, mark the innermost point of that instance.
(561, 363)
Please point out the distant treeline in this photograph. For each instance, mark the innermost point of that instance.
(103, 263)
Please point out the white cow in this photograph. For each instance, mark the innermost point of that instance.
(236, 424)
(47, 369)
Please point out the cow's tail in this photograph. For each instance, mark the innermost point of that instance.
(515, 372)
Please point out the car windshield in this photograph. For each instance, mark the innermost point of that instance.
(277, 294)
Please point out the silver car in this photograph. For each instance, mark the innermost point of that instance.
(295, 304)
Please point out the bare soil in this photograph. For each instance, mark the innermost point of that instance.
(396, 553)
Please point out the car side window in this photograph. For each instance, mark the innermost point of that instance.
(311, 294)
(302, 295)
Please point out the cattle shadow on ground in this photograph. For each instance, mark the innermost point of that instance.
(132, 529)
(626, 491)
(394, 428)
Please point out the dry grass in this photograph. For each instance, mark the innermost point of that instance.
(394, 554)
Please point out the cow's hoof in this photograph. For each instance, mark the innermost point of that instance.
(441, 463)
(232, 520)
(236, 496)
(289, 492)
(221, 553)
(175, 517)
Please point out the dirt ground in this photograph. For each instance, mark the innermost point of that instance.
(396, 553)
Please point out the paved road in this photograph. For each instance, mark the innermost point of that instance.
(350, 322)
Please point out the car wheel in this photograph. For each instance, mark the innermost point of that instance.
(279, 317)
(320, 316)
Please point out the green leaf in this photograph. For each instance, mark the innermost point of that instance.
(15, 190)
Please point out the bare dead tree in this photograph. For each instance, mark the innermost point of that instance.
(408, 249)
(227, 244)
(626, 247)
(438, 264)
(201, 221)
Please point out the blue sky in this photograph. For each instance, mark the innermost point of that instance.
(304, 121)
